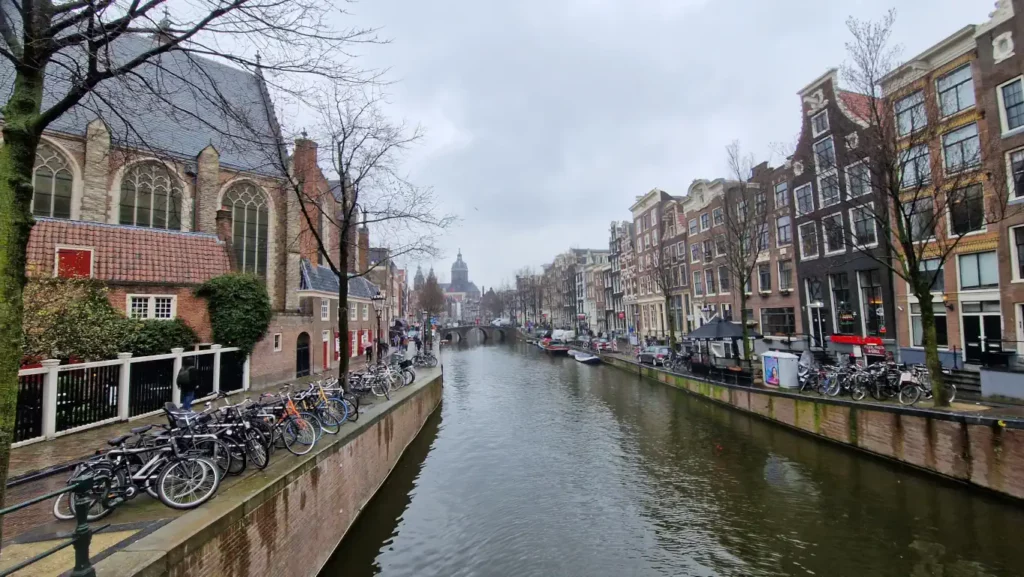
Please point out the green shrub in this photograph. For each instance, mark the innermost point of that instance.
(239, 309)
(155, 337)
(71, 318)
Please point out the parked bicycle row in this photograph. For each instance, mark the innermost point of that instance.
(908, 384)
(183, 462)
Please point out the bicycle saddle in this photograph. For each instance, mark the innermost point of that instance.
(118, 440)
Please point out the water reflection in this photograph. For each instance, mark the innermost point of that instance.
(550, 467)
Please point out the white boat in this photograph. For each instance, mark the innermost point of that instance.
(586, 358)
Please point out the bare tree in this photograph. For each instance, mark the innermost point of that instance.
(746, 220)
(100, 58)
(916, 210)
(663, 273)
(365, 148)
(432, 297)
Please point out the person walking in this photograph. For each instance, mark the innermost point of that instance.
(369, 354)
(186, 381)
(382, 349)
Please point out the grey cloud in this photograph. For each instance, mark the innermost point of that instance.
(545, 119)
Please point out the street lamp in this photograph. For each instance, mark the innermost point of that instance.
(378, 307)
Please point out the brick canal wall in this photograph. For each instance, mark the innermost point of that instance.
(978, 450)
(285, 522)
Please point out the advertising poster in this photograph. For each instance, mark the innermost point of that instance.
(771, 371)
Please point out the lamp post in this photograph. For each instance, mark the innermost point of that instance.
(378, 307)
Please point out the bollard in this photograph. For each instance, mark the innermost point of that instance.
(82, 535)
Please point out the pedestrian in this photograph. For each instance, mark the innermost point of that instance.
(369, 354)
(382, 349)
(419, 344)
(187, 378)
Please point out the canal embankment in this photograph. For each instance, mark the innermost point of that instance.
(289, 518)
(977, 449)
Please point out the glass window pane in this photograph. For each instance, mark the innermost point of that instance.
(969, 271)
(43, 192)
(262, 242)
(238, 235)
(62, 194)
(159, 207)
(988, 269)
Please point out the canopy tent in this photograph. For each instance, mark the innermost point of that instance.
(718, 329)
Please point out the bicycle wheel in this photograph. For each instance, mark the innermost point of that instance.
(318, 426)
(857, 392)
(328, 419)
(410, 376)
(298, 435)
(352, 405)
(256, 447)
(833, 386)
(218, 453)
(64, 504)
(337, 408)
(188, 483)
(909, 394)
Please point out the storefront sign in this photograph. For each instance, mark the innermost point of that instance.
(874, 350)
(855, 340)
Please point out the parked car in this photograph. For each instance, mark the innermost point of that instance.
(655, 355)
(501, 322)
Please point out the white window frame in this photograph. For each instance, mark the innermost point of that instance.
(1014, 266)
(325, 309)
(938, 93)
(949, 214)
(1003, 126)
(846, 174)
(705, 221)
(853, 228)
(1015, 195)
(60, 247)
(717, 215)
(784, 194)
(792, 274)
(353, 311)
(277, 341)
(709, 272)
(720, 291)
(693, 228)
(325, 336)
(896, 114)
(151, 306)
(695, 257)
(835, 159)
(800, 240)
(824, 234)
(796, 198)
(817, 133)
(942, 149)
(778, 242)
(959, 274)
(698, 283)
(821, 189)
(366, 312)
(760, 286)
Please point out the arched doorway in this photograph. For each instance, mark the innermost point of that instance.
(302, 355)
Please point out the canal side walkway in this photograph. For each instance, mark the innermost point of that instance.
(143, 516)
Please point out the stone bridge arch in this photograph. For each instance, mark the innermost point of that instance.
(489, 334)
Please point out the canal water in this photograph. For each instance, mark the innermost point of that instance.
(537, 466)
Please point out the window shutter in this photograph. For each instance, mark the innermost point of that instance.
(74, 263)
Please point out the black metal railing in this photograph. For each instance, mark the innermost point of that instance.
(28, 419)
(150, 386)
(232, 370)
(84, 489)
(204, 369)
(86, 396)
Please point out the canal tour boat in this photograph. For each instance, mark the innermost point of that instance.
(554, 344)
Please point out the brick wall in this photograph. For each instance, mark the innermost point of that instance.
(978, 450)
(291, 526)
(190, 308)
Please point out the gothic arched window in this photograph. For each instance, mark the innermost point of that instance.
(249, 217)
(51, 183)
(151, 196)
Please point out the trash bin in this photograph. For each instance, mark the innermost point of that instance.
(780, 370)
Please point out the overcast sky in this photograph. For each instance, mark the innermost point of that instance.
(545, 118)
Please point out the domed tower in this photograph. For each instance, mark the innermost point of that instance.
(460, 272)
(418, 281)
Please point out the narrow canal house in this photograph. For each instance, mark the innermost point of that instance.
(845, 295)
(650, 303)
(941, 131)
(999, 83)
(115, 201)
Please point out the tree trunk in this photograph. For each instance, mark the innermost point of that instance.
(17, 158)
(668, 320)
(343, 312)
(931, 348)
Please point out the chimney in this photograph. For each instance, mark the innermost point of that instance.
(364, 249)
(224, 233)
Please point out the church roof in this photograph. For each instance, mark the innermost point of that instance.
(459, 264)
(322, 279)
(200, 102)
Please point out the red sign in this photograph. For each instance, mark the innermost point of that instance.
(874, 350)
(581, 316)
(622, 315)
(855, 340)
